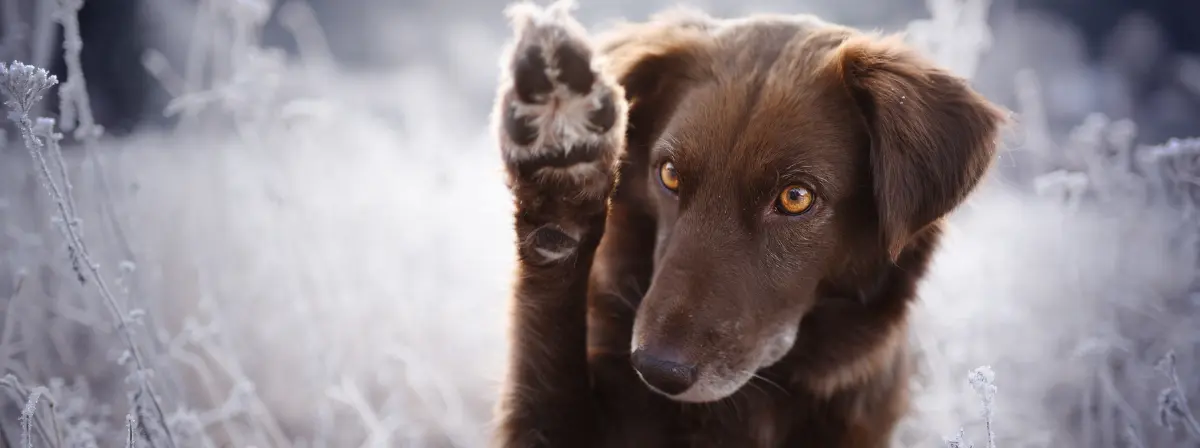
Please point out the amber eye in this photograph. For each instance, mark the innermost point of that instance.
(794, 200)
(668, 176)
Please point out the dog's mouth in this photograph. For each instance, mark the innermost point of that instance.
(722, 375)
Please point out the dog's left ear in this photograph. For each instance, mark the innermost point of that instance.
(932, 136)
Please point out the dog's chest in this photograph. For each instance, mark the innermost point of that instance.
(753, 420)
(742, 421)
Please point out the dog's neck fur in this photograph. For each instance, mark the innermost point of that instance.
(852, 319)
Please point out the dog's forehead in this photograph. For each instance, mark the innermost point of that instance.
(766, 108)
(721, 132)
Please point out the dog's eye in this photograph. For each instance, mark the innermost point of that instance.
(668, 176)
(794, 200)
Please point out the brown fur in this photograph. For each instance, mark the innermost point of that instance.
(778, 330)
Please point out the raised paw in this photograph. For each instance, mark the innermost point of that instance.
(561, 120)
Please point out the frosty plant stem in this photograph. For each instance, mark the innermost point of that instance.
(1172, 402)
(27, 417)
(130, 431)
(983, 380)
(76, 107)
(25, 85)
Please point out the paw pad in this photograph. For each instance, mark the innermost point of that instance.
(549, 243)
(530, 82)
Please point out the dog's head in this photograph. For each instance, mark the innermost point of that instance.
(784, 159)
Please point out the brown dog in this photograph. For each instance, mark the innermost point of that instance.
(720, 226)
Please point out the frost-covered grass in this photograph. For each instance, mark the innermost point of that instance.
(320, 258)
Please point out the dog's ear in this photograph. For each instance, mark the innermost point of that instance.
(932, 136)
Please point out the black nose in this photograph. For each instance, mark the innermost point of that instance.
(668, 376)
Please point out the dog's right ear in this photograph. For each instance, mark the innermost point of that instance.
(932, 136)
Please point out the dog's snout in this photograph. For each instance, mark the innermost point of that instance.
(662, 372)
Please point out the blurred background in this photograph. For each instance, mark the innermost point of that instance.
(297, 209)
(1124, 58)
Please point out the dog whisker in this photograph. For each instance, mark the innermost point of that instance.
(756, 376)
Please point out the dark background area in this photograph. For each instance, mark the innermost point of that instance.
(117, 31)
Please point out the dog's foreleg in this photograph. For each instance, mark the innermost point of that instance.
(560, 124)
